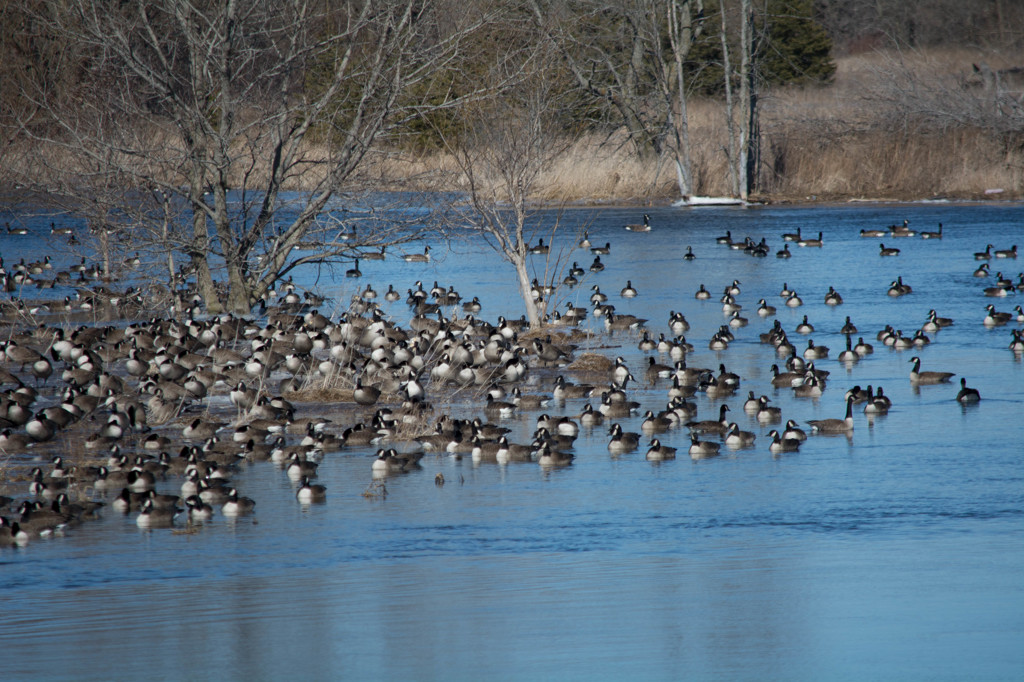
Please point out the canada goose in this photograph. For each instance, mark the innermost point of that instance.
(1007, 253)
(689, 254)
(200, 429)
(767, 414)
(539, 249)
(628, 291)
(813, 352)
(702, 449)
(736, 439)
(811, 242)
(873, 233)
(237, 506)
(354, 270)
(597, 265)
(657, 452)
(549, 457)
(858, 394)
(584, 242)
(967, 395)
(710, 426)
(622, 441)
(882, 251)
(995, 318)
(785, 379)
(418, 257)
(811, 388)
(718, 342)
(982, 270)
(902, 230)
(794, 431)
(645, 227)
(984, 255)
(1020, 313)
(499, 408)
(782, 444)
(702, 294)
(784, 252)
(590, 417)
(844, 425)
(564, 390)
(197, 509)
(725, 239)
(794, 301)
(152, 517)
(848, 355)
(601, 250)
(932, 235)
(833, 298)
(940, 321)
(876, 404)
(365, 395)
(617, 409)
(11, 533)
(998, 291)
(656, 370)
(792, 236)
(1017, 341)
(919, 377)
(863, 348)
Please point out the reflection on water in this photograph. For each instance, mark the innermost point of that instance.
(893, 554)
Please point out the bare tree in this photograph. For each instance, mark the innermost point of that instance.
(501, 151)
(224, 107)
(744, 135)
(685, 23)
(630, 56)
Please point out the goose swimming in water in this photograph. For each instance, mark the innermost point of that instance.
(811, 242)
(702, 449)
(967, 395)
(645, 227)
(782, 444)
(919, 377)
(844, 425)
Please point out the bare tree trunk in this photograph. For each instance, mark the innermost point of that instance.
(732, 152)
(526, 291)
(743, 159)
(681, 34)
(749, 124)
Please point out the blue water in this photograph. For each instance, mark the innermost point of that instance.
(897, 554)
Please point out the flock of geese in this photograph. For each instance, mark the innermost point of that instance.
(183, 404)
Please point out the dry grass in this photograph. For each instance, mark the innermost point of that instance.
(851, 139)
(591, 362)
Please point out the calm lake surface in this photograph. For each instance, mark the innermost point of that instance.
(897, 554)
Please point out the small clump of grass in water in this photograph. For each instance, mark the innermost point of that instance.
(376, 490)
